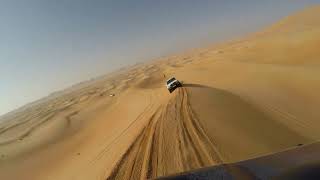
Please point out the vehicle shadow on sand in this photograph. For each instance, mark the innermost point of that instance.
(194, 85)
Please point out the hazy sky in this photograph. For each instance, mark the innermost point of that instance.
(47, 45)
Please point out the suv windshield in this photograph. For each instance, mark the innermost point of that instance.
(170, 80)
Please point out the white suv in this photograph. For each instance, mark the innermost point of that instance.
(172, 84)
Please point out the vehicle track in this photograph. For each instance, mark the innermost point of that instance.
(173, 141)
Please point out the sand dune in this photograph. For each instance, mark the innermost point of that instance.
(172, 141)
(240, 100)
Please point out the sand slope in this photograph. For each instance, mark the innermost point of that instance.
(240, 100)
(172, 141)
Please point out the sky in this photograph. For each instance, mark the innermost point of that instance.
(48, 45)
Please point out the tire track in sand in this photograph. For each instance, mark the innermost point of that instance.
(173, 141)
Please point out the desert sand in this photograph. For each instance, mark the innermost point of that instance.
(241, 99)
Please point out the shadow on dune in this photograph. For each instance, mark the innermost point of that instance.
(240, 129)
(194, 85)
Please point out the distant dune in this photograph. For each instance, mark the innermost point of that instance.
(240, 100)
